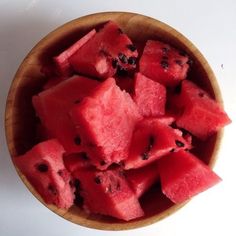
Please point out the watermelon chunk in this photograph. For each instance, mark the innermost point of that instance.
(150, 96)
(202, 116)
(163, 63)
(108, 193)
(53, 105)
(43, 167)
(106, 120)
(76, 161)
(151, 140)
(108, 50)
(62, 60)
(183, 176)
(143, 178)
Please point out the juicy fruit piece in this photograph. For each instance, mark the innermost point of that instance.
(150, 96)
(53, 105)
(108, 193)
(76, 161)
(43, 167)
(106, 120)
(143, 178)
(163, 63)
(108, 50)
(183, 176)
(151, 140)
(62, 60)
(202, 116)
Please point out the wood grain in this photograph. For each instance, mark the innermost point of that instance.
(20, 118)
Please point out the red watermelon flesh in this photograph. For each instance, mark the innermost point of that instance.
(163, 63)
(108, 193)
(152, 140)
(76, 161)
(43, 167)
(183, 176)
(150, 96)
(62, 60)
(109, 49)
(202, 116)
(53, 106)
(106, 120)
(142, 179)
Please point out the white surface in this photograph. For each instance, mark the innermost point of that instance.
(210, 25)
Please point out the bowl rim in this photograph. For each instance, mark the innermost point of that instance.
(63, 213)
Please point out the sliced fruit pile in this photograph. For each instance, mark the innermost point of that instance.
(106, 133)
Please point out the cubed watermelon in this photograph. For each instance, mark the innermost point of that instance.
(183, 176)
(43, 167)
(151, 140)
(163, 63)
(108, 193)
(106, 120)
(62, 60)
(142, 179)
(108, 50)
(149, 95)
(53, 106)
(202, 116)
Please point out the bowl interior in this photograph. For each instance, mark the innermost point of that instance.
(21, 121)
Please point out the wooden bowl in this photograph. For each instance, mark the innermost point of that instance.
(20, 120)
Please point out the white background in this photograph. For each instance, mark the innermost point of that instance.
(210, 25)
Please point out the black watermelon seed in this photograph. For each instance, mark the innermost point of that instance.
(78, 201)
(77, 184)
(151, 142)
(98, 180)
(71, 184)
(52, 189)
(121, 71)
(42, 168)
(177, 89)
(164, 64)
(179, 62)
(114, 63)
(123, 58)
(165, 50)
(120, 31)
(60, 172)
(165, 58)
(145, 156)
(182, 53)
(201, 94)
(118, 185)
(131, 47)
(102, 163)
(179, 143)
(172, 150)
(77, 140)
(132, 60)
(77, 101)
(84, 156)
